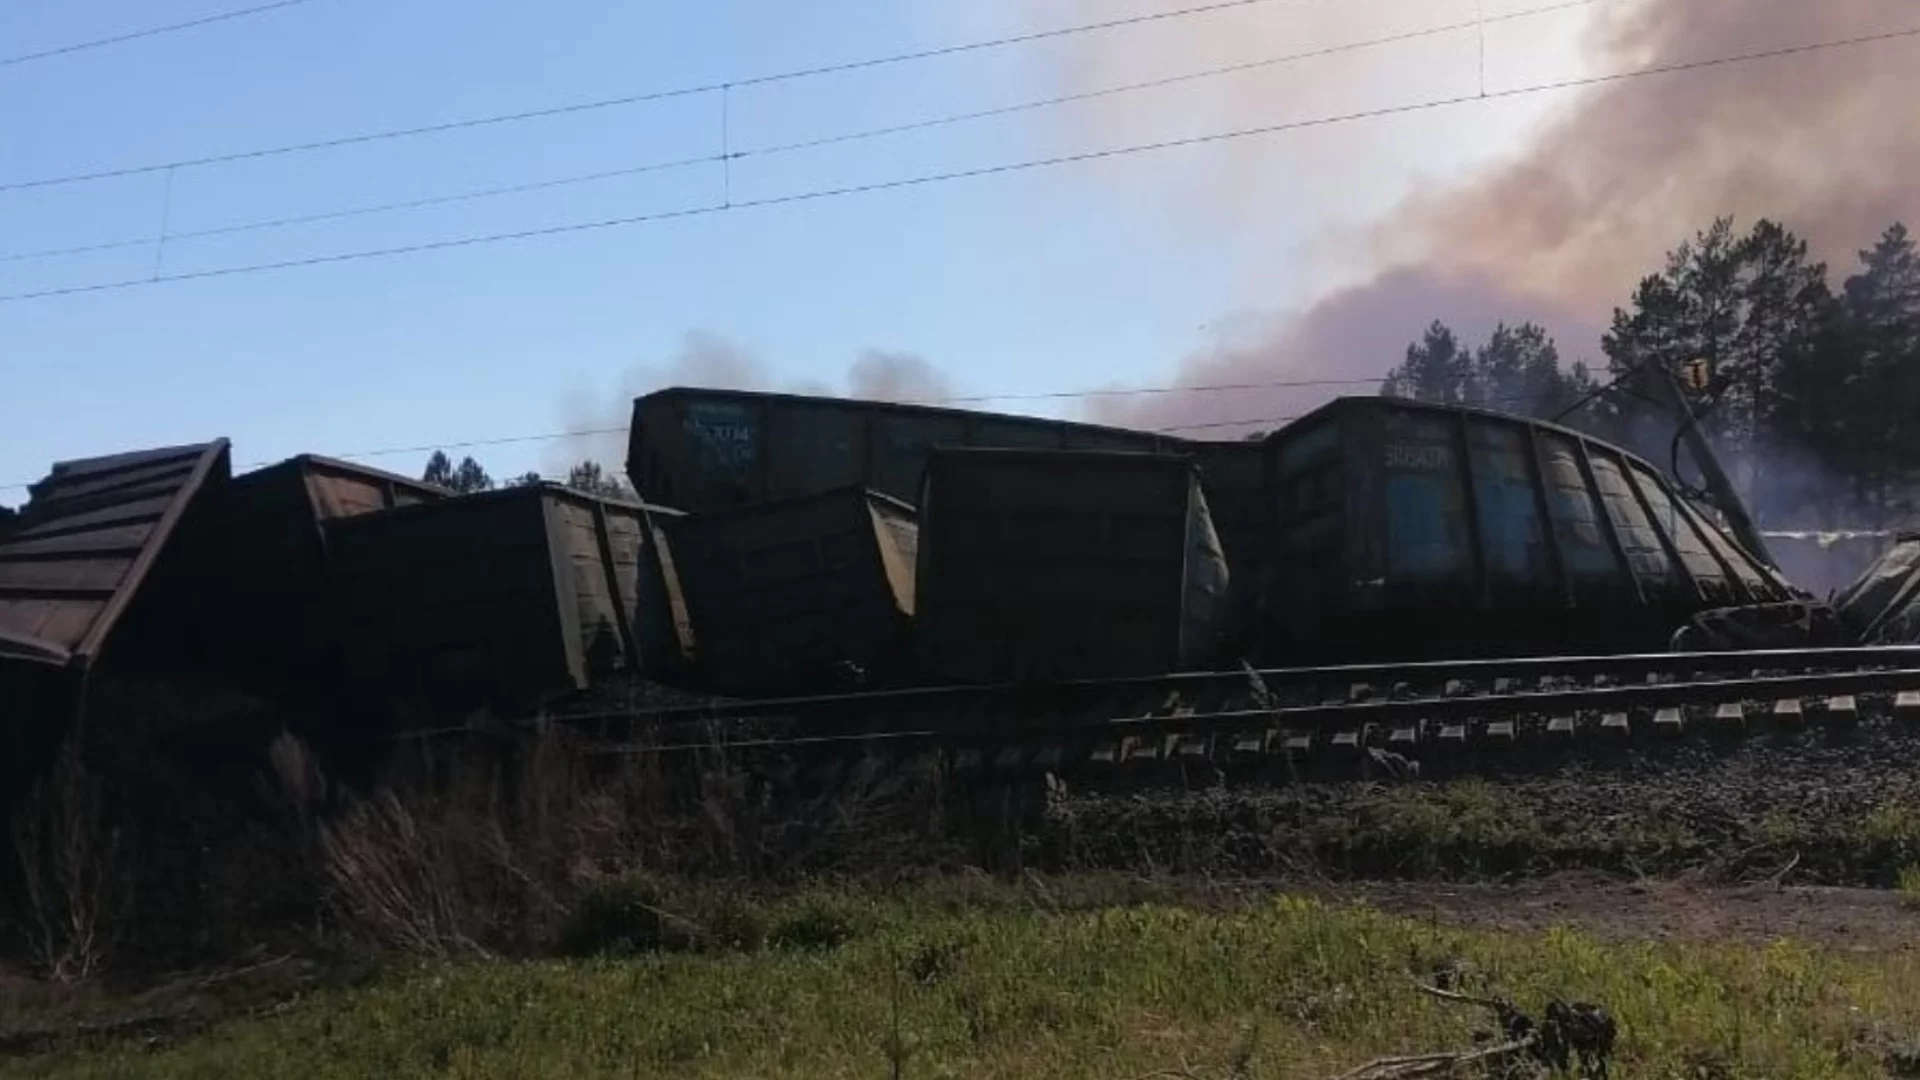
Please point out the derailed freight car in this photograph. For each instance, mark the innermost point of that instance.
(698, 449)
(1405, 530)
(267, 553)
(502, 599)
(812, 593)
(1049, 565)
(1882, 605)
(91, 581)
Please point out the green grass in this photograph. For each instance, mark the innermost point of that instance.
(1285, 988)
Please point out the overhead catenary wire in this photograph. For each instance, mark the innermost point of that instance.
(727, 155)
(971, 173)
(149, 32)
(665, 94)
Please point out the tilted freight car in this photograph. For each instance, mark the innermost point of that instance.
(502, 598)
(268, 555)
(91, 581)
(1825, 562)
(1233, 476)
(1039, 565)
(697, 449)
(1405, 530)
(1883, 603)
(813, 593)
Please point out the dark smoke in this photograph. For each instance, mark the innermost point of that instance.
(881, 375)
(1822, 142)
(710, 360)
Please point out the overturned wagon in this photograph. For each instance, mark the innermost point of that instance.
(1403, 530)
(502, 599)
(92, 580)
(1049, 565)
(267, 564)
(796, 594)
(698, 449)
(1882, 605)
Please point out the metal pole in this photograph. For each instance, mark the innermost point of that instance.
(1719, 486)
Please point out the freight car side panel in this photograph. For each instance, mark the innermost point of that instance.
(781, 592)
(1052, 565)
(1883, 603)
(1759, 587)
(603, 547)
(1233, 476)
(1578, 530)
(1513, 538)
(1426, 535)
(709, 449)
(1309, 545)
(457, 602)
(1695, 556)
(901, 443)
(1646, 557)
(1462, 530)
(814, 447)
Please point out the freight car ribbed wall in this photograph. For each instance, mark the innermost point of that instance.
(1056, 565)
(1883, 603)
(780, 593)
(1233, 476)
(267, 553)
(697, 449)
(499, 598)
(1404, 529)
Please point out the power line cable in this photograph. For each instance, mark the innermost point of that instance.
(152, 31)
(639, 98)
(359, 211)
(971, 173)
(805, 144)
(1170, 80)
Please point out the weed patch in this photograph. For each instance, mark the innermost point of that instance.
(1285, 988)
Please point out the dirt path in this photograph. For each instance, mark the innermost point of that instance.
(1860, 920)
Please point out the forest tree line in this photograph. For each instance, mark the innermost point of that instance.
(469, 476)
(1810, 393)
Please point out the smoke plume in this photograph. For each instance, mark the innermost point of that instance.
(880, 375)
(707, 359)
(1821, 141)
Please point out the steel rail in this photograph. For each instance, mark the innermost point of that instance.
(1032, 698)
(1323, 719)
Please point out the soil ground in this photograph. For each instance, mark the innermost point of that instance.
(1853, 920)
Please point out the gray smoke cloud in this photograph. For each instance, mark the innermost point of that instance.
(712, 360)
(882, 375)
(1560, 232)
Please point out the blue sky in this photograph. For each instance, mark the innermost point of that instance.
(1048, 280)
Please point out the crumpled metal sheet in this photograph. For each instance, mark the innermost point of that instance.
(84, 544)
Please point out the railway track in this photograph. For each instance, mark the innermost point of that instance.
(1325, 720)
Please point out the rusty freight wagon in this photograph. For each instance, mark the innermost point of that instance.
(698, 449)
(1883, 604)
(810, 593)
(501, 599)
(1044, 565)
(1405, 530)
(269, 554)
(91, 580)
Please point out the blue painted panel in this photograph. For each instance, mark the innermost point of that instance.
(1576, 522)
(1642, 546)
(1427, 532)
(1511, 533)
